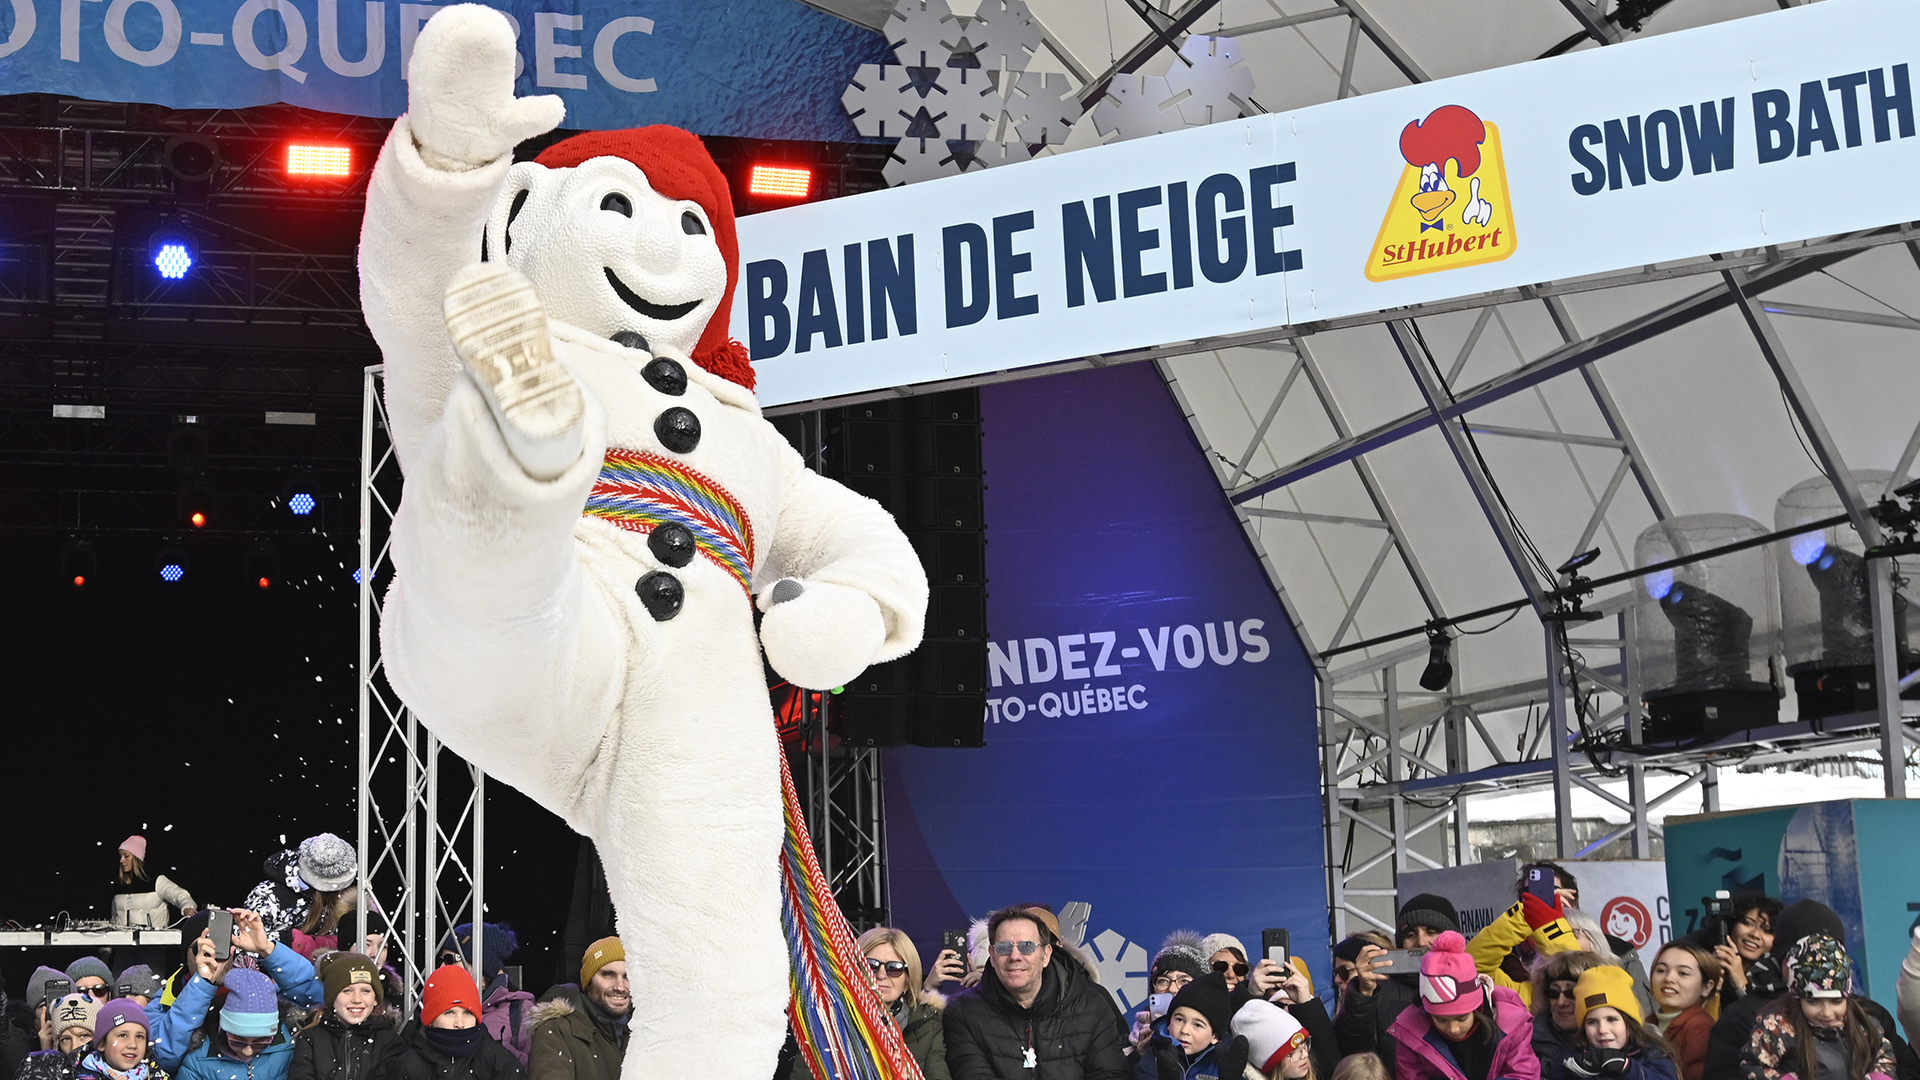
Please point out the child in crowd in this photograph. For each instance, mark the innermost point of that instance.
(1614, 1044)
(1817, 1030)
(71, 1019)
(1361, 1066)
(1686, 990)
(1466, 1028)
(1275, 1046)
(450, 1041)
(119, 1050)
(251, 1040)
(352, 1037)
(1200, 1014)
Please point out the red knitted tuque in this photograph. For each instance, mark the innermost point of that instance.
(678, 166)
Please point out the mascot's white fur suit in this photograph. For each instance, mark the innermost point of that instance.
(593, 510)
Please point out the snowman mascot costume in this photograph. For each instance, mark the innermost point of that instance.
(595, 515)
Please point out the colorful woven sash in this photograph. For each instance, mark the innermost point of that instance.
(843, 1031)
(642, 492)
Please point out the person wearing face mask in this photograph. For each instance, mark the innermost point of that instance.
(119, 1045)
(352, 1037)
(1686, 986)
(582, 1034)
(1200, 1016)
(1466, 1028)
(894, 965)
(71, 1020)
(450, 1042)
(1614, 1044)
(1817, 1029)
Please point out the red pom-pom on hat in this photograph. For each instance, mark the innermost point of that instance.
(678, 166)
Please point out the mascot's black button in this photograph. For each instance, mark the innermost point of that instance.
(677, 429)
(666, 376)
(661, 593)
(632, 339)
(671, 544)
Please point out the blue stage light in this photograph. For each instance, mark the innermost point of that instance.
(367, 575)
(172, 259)
(301, 504)
(172, 572)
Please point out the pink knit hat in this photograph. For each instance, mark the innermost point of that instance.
(1449, 985)
(135, 846)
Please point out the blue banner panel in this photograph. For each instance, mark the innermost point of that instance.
(770, 69)
(1151, 739)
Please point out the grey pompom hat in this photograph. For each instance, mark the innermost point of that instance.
(328, 863)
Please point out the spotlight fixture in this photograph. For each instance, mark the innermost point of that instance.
(1439, 671)
(1568, 598)
(319, 159)
(79, 564)
(173, 252)
(301, 504)
(192, 158)
(780, 181)
(262, 567)
(171, 563)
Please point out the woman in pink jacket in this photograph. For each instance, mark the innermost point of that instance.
(1466, 1028)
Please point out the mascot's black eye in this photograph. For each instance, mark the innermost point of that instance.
(691, 224)
(617, 203)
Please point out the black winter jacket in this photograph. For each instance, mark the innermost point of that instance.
(1734, 1029)
(1073, 1029)
(1361, 1027)
(334, 1050)
(423, 1061)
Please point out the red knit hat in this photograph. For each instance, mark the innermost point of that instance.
(678, 166)
(447, 987)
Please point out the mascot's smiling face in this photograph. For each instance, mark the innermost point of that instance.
(609, 253)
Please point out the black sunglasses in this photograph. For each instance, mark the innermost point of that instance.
(891, 967)
(1238, 969)
(1556, 993)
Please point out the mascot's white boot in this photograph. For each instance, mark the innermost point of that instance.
(593, 510)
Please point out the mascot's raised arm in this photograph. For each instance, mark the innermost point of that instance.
(594, 510)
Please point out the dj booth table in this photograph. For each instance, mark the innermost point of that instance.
(67, 939)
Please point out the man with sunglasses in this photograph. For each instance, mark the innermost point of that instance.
(1037, 1014)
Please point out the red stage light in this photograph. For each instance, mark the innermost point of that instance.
(264, 583)
(79, 580)
(199, 520)
(780, 181)
(315, 159)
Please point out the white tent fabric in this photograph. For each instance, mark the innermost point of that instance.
(1700, 401)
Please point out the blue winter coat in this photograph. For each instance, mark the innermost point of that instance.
(206, 1063)
(1201, 1066)
(171, 1028)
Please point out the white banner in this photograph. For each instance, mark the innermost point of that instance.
(1763, 130)
(1628, 897)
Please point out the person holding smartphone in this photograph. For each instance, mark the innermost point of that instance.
(1375, 999)
(286, 970)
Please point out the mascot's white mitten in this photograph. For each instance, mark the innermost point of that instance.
(817, 634)
(460, 100)
(500, 330)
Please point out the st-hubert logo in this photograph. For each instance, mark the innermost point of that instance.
(1429, 225)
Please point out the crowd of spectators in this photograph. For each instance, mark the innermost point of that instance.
(1764, 992)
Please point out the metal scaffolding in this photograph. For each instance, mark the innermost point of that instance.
(422, 821)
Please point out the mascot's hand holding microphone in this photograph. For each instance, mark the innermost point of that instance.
(593, 511)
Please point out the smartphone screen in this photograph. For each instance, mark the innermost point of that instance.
(220, 932)
(1273, 942)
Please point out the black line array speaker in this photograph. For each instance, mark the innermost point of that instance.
(920, 458)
